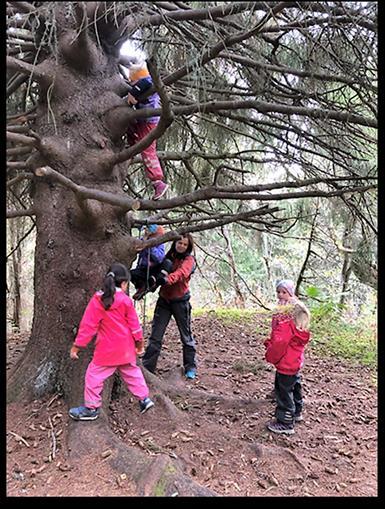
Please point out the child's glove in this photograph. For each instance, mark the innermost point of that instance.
(161, 280)
(139, 347)
(74, 352)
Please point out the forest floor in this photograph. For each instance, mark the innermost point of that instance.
(221, 442)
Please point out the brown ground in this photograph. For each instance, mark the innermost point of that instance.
(216, 427)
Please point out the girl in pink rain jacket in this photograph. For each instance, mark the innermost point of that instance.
(285, 350)
(111, 316)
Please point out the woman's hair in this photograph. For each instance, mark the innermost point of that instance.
(115, 276)
(190, 248)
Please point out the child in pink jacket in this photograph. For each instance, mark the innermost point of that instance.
(285, 350)
(111, 315)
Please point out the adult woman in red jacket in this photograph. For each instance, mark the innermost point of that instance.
(285, 349)
(174, 300)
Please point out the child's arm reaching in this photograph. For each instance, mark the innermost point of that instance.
(88, 327)
(139, 347)
(74, 352)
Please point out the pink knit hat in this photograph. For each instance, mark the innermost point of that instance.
(287, 284)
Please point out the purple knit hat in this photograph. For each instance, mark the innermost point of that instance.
(288, 285)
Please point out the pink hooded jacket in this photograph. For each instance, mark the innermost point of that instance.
(116, 330)
(286, 345)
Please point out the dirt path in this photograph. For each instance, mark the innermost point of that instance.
(215, 427)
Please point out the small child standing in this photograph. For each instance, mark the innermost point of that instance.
(111, 315)
(140, 82)
(151, 264)
(285, 350)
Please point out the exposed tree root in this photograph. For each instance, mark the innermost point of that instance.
(175, 386)
(173, 411)
(151, 476)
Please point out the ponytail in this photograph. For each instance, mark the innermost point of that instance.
(109, 290)
(115, 276)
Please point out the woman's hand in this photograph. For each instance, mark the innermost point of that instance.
(74, 352)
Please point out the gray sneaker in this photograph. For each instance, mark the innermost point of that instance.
(145, 404)
(281, 428)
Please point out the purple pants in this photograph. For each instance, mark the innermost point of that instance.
(95, 376)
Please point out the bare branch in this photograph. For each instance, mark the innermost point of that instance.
(23, 7)
(130, 25)
(20, 213)
(263, 107)
(36, 72)
(20, 138)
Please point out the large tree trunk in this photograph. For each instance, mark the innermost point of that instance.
(74, 244)
(76, 241)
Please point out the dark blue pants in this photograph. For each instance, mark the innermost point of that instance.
(164, 310)
(139, 274)
(288, 394)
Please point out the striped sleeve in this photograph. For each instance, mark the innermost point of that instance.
(133, 320)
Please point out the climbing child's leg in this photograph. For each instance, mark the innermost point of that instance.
(150, 158)
(151, 161)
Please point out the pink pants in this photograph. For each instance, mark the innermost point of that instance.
(150, 159)
(95, 376)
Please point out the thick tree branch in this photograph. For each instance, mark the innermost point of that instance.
(264, 107)
(20, 138)
(20, 213)
(76, 46)
(207, 193)
(130, 25)
(83, 193)
(19, 178)
(37, 72)
(25, 7)
(16, 83)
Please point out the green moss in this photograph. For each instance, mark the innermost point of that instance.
(161, 485)
(160, 488)
(356, 342)
(229, 315)
(243, 367)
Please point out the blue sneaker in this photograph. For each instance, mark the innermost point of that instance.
(145, 404)
(82, 413)
(191, 374)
